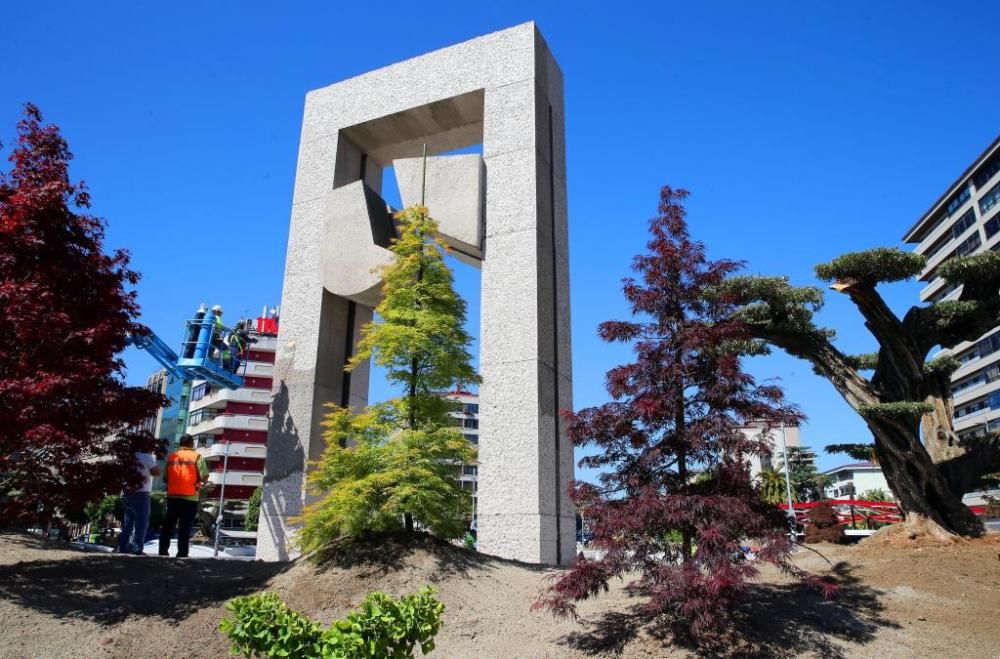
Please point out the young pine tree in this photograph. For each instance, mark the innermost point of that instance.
(678, 406)
(393, 466)
(66, 309)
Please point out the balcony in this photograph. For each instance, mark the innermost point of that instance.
(222, 396)
(207, 423)
(265, 343)
(236, 450)
(257, 370)
(244, 478)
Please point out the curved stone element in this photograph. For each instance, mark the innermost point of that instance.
(350, 259)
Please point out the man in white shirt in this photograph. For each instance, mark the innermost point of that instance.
(136, 502)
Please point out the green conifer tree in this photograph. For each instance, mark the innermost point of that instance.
(393, 466)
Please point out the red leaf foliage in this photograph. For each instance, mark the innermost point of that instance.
(66, 307)
(824, 525)
(677, 408)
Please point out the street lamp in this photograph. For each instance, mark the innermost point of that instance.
(222, 499)
(788, 480)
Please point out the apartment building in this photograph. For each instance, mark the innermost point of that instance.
(169, 422)
(772, 436)
(230, 426)
(467, 420)
(966, 220)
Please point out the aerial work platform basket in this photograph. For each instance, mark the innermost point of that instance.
(201, 355)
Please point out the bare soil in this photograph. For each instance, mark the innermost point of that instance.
(926, 601)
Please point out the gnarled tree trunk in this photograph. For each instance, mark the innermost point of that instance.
(925, 498)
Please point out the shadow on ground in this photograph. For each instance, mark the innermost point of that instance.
(379, 554)
(107, 588)
(776, 621)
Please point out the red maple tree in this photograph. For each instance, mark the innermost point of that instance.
(68, 422)
(674, 501)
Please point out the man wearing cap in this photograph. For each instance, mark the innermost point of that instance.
(186, 475)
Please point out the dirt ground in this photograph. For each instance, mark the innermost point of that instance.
(894, 602)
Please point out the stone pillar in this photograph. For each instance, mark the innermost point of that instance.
(503, 90)
(526, 462)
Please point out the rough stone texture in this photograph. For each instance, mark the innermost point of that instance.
(453, 193)
(350, 258)
(505, 91)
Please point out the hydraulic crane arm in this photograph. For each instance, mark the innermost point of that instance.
(159, 351)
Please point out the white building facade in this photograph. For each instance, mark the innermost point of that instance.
(467, 420)
(855, 478)
(966, 220)
(773, 437)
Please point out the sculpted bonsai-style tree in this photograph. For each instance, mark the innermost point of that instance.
(67, 419)
(677, 407)
(904, 391)
(395, 465)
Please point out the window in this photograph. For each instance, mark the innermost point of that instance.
(470, 470)
(990, 199)
(472, 424)
(201, 416)
(202, 390)
(471, 408)
(968, 356)
(969, 245)
(938, 245)
(991, 167)
(943, 293)
(989, 345)
(972, 408)
(962, 225)
(994, 400)
(956, 202)
(472, 439)
(971, 382)
(992, 227)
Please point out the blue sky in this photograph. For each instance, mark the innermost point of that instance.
(803, 130)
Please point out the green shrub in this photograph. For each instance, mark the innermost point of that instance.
(264, 626)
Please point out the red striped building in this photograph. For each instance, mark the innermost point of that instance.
(235, 422)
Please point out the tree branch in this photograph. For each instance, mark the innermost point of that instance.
(826, 359)
(974, 313)
(982, 456)
(899, 360)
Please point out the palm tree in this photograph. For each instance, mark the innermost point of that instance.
(772, 487)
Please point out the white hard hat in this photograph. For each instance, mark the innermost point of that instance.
(218, 308)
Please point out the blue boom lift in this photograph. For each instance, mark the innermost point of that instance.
(196, 361)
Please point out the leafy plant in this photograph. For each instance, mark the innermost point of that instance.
(263, 625)
(807, 483)
(253, 510)
(824, 525)
(392, 467)
(67, 306)
(678, 406)
(877, 494)
(772, 487)
(904, 398)
(109, 507)
(381, 474)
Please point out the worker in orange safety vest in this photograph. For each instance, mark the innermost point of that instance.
(186, 476)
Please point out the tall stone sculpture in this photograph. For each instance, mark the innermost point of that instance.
(504, 210)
